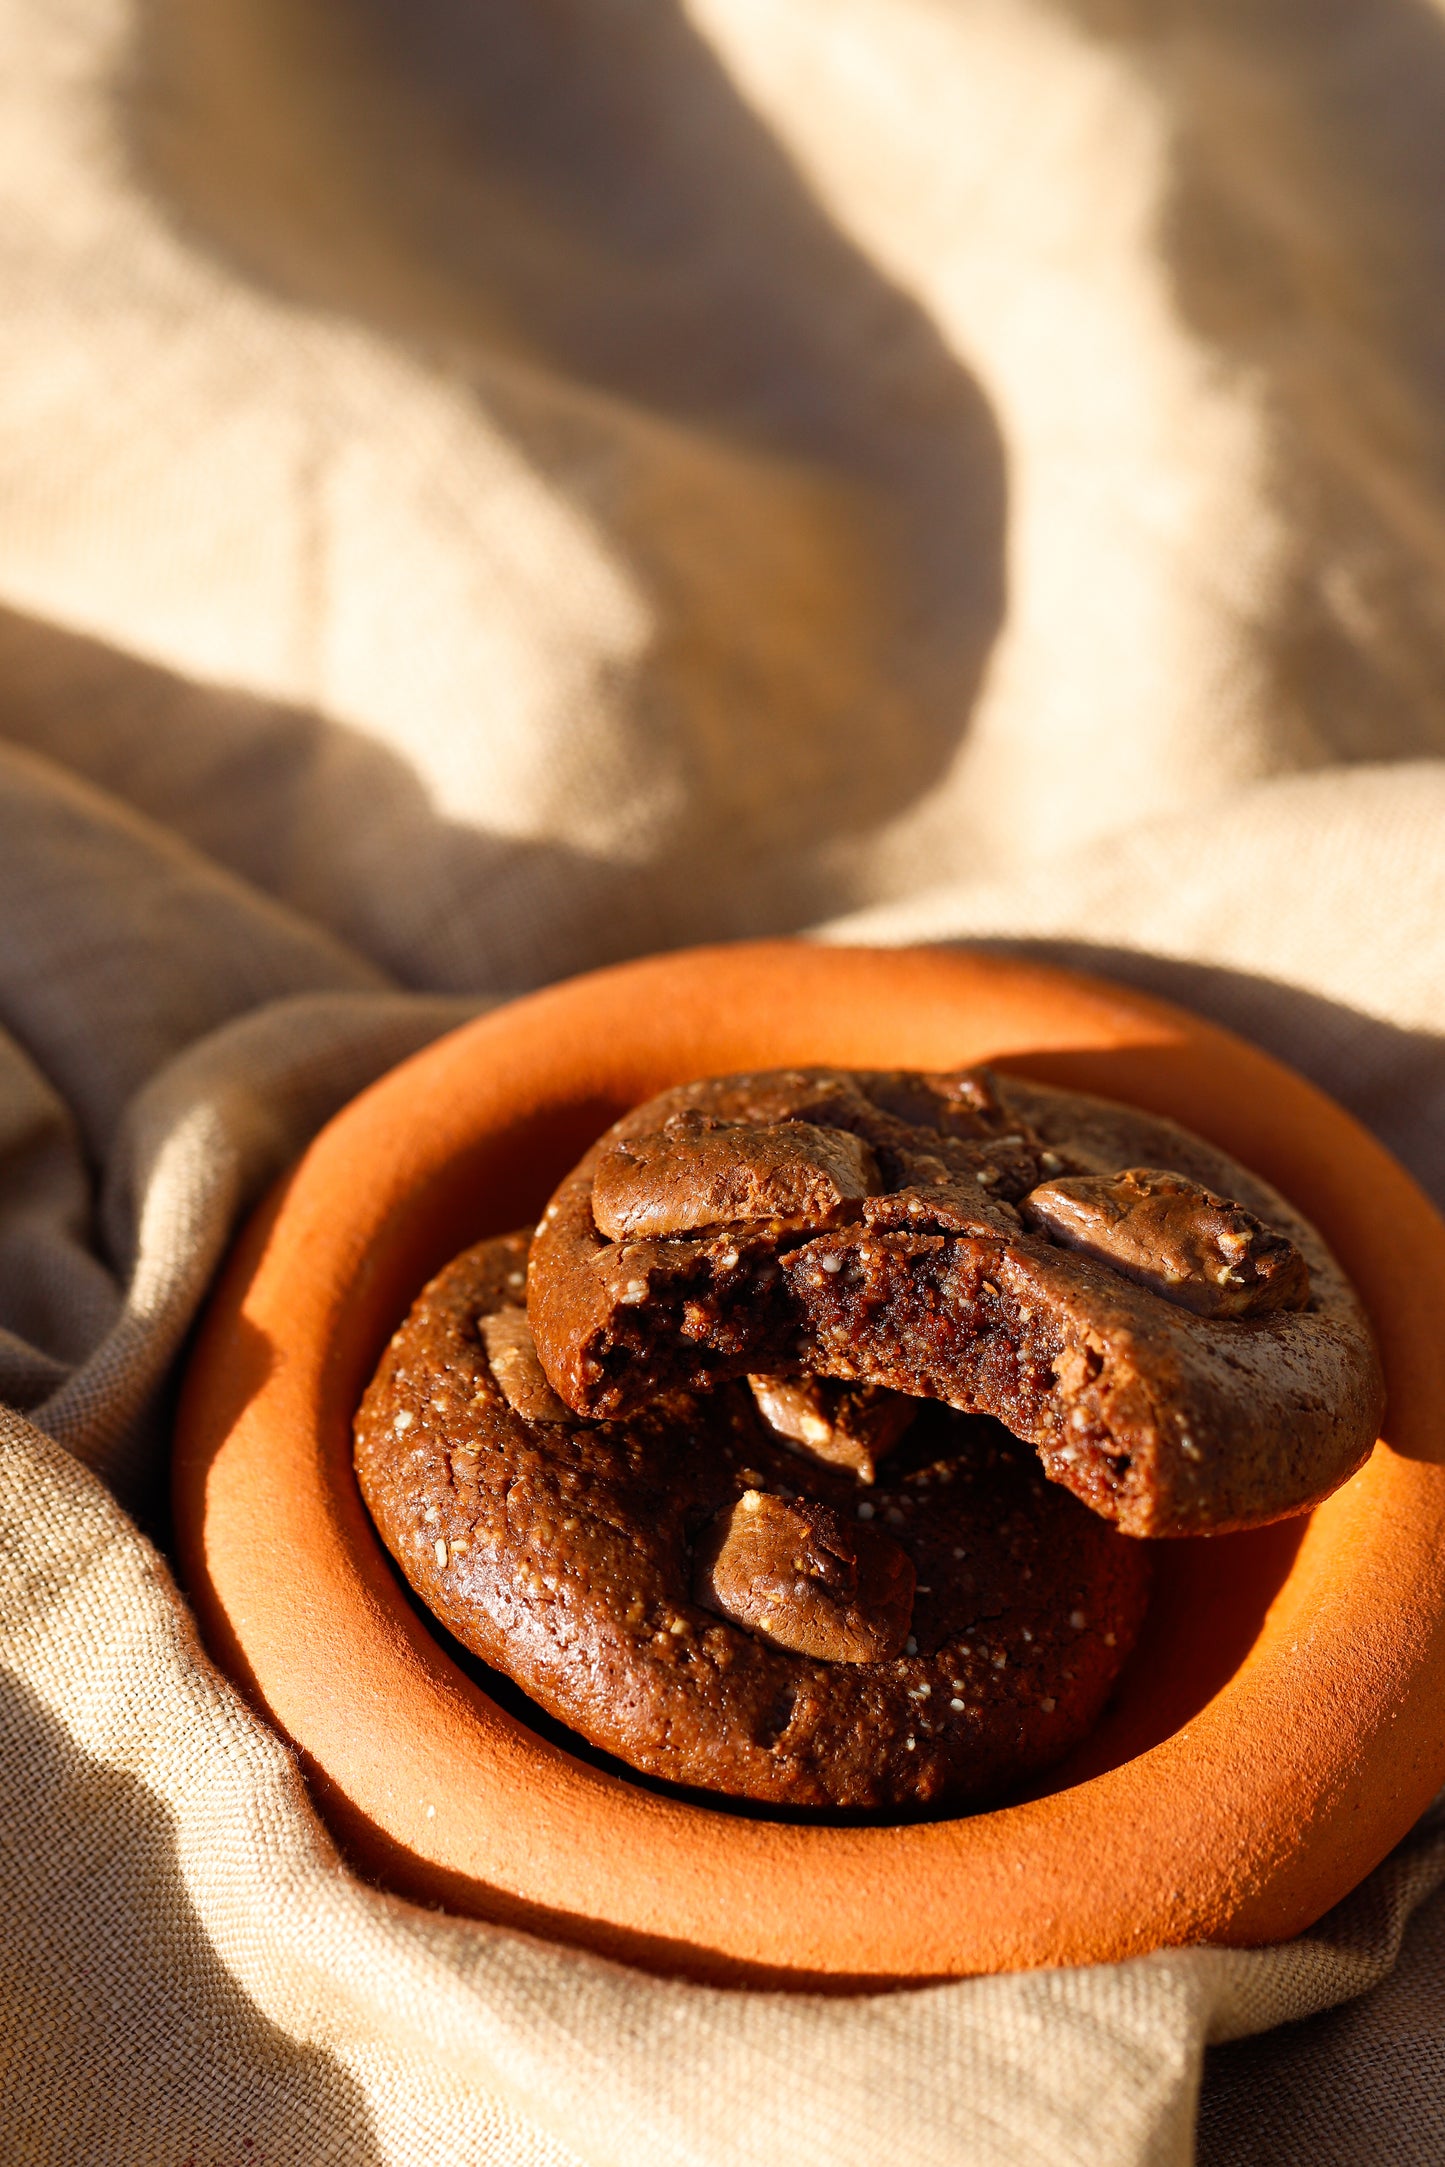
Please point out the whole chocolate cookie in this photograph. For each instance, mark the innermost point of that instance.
(707, 1598)
(1174, 1339)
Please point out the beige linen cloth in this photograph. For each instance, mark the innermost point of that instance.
(490, 486)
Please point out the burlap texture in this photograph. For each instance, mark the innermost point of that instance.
(487, 487)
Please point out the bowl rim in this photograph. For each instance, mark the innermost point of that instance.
(1242, 1824)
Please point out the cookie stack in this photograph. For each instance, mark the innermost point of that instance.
(801, 1454)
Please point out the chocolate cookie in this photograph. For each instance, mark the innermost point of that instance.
(715, 1603)
(1174, 1339)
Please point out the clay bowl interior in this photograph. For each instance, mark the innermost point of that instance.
(1271, 1739)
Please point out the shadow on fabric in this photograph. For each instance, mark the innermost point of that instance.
(120, 1974)
(1358, 2083)
(572, 214)
(300, 807)
(1304, 233)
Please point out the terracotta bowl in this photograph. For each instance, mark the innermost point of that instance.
(1277, 1733)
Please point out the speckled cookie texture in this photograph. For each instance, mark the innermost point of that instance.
(1174, 1340)
(730, 1608)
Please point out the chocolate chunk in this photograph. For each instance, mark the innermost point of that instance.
(801, 1577)
(520, 1377)
(685, 1177)
(842, 1425)
(1175, 1237)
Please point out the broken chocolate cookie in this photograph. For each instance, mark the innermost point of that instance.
(695, 1593)
(1174, 1339)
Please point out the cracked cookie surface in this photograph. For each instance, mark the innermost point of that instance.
(699, 1594)
(1176, 1342)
